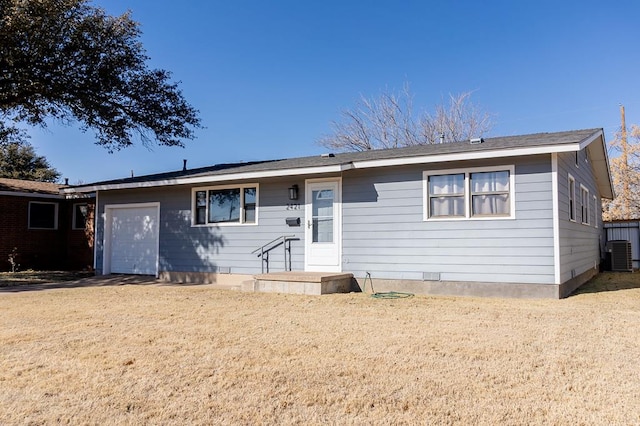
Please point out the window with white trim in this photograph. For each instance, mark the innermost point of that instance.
(490, 193)
(446, 195)
(584, 202)
(572, 198)
(225, 205)
(43, 215)
(479, 193)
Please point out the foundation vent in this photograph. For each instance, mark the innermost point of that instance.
(431, 276)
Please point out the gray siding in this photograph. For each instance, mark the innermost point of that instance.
(384, 232)
(186, 248)
(383, 228)
(579, 244)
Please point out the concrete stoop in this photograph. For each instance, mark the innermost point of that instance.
(295, 282)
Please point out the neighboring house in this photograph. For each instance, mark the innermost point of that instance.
(508, 216)
(43, 227)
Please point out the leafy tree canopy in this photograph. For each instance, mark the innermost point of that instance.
(70, 61)
(18, 160)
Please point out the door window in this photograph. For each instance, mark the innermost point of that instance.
(322, 215)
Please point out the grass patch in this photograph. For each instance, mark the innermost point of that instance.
(170, 354)
(10, 279)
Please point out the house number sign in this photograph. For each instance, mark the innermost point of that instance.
(293, 206)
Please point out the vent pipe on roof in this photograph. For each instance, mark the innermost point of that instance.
(66, 181)
(476, 140)
(184, 165)
(441, 137)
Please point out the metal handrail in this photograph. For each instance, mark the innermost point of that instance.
(265, 249)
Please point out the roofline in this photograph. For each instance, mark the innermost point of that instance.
(461, 156)
(336, 168)
(31, 194)
(364, 164)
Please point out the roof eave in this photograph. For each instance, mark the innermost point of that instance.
(600, 164)
(337, 168)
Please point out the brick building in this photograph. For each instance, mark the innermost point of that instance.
(45, 229)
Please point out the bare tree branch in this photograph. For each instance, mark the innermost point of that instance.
(388, 121)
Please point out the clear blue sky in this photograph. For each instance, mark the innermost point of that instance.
(269, 76)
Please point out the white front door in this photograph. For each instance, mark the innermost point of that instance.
(323, 225)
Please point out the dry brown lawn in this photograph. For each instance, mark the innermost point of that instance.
(154, 354)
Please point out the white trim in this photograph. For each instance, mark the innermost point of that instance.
(582, 205)
(571, 185)
(241, 187)
(32, 194)
(106, 238)
(473, 155)
(337, 168)
(95, 235)
(595, 211)
(55, 216)
(337, 214)
(555, 191)
(593, 137)
(467, 193)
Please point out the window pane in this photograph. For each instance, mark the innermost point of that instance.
(42, 215)
(201, 215)
(446, 206)
(322, 203)
(249, 205)
(224, 205)
(322, 215)
(497, 204)
(201, 199)
(81, 211)
(490, 182)
(446, 184)
(572, 198)
(323, 230)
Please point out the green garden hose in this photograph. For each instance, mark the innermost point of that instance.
(384, 295)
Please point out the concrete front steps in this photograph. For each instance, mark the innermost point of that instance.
(296, 282)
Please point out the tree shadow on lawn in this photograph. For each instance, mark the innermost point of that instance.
(610, 281)
(47, 281)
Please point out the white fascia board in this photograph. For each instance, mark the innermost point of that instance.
(593, 137)
(460, 156)
(31, 194)
(337, 168)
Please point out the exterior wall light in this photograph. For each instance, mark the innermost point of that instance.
(293, 192)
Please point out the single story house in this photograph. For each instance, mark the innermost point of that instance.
(43, 228)
(516, 216)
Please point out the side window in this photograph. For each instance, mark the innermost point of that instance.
(584, 201)
(43, 215)
(572, 198)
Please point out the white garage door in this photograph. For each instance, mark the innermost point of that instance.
(132, 239)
